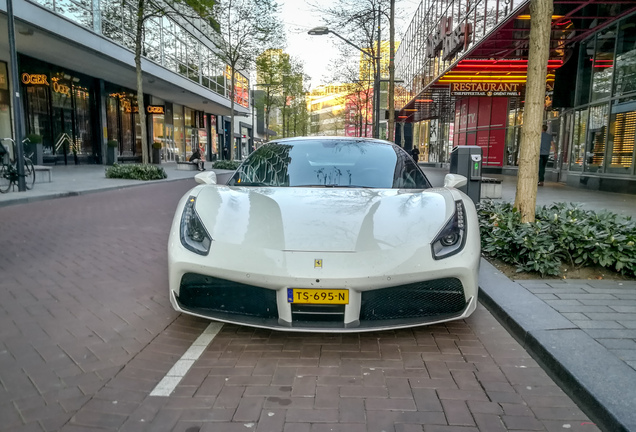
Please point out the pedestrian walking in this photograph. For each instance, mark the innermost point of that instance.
(547, 144)
(415, 153)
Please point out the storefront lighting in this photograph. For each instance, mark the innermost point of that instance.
(527, 17)
(450, 80)
(486, 78)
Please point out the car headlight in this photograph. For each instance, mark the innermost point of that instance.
(452, 237)
(194, 236)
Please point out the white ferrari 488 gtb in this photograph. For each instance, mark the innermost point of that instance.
(325, 234)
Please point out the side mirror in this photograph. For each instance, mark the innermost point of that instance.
(208, 177)
(455, 180)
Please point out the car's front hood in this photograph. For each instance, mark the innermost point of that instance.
(322, 219)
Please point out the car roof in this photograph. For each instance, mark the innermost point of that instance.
(332, 138)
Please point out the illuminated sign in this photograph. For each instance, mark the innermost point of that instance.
(128, 107)
(486, 89)
(60, 88)
(155, 109)
(447, 40)
(41, 79)
(34, 79)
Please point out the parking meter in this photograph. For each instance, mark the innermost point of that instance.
(466, 161)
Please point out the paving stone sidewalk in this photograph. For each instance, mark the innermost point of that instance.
(583, 332)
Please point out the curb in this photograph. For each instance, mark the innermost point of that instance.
(599, 382)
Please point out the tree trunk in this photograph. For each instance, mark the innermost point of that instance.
(140, 90)
(284, 111)
(266, 113)
(390, 126)
(538, 53)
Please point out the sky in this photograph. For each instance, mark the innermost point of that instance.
(315, 52)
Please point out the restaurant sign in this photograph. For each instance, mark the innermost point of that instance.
(486, 89)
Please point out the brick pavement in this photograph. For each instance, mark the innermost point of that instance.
(82, 292)
(86, 332)
(461, 376)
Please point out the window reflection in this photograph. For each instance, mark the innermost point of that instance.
(603, 64)
(625, 80)
(578, 140)
(165, 42)
(597, 134)
(585, 72)
(318, 163)
(80, 12)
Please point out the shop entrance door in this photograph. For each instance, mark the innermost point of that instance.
(63, 134)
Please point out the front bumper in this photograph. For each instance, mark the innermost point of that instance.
(402, 306)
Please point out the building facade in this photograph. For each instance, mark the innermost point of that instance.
(78, 84)
(465, 64)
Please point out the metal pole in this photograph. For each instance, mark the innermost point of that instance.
(376, 85)
(17, 102)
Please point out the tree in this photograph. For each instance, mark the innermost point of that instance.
(292, 95)
(245, 28)
(145, 10)
(269, 77)
(538, 53)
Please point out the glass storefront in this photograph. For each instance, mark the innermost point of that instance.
(179, 130)
(59, 109)
(122, 122)
(622, 134)
(62, 107)
(601, 135)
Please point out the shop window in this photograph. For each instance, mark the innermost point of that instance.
(126, 145)
(586, 59)
(603, 64)
(554, 124)
(112, 119)
(596, 138)
(625, 81)
(578, 140)
(83, 129)
(622, 134)
(179, 132)
(5, 105)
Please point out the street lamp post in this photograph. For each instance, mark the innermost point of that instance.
(318, 31)
(17, 105)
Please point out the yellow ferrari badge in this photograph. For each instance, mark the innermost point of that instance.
(317, 263)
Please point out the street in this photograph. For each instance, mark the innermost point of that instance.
(87, 333)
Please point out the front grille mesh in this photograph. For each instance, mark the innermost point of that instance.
(436, 298)
(209, 294)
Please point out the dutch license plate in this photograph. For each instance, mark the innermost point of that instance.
(316, 296)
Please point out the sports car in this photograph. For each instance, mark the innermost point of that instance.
(327, 235)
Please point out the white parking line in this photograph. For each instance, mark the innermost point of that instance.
(174, 376)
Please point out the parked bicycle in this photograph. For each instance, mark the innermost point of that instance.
(9, 168)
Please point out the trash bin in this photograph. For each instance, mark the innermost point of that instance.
(466, 161)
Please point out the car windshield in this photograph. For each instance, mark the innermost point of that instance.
(330, 163)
